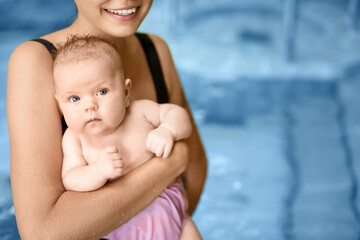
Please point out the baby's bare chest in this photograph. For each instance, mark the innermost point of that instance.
(130, 142)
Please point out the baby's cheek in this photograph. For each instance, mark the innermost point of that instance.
(73, 121)
(117, 116)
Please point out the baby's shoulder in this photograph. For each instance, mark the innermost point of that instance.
(143, 105)
(145, 109)
(70, 136)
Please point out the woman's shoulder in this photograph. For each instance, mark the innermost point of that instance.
(160, 44)
(30, 48)
(30, 67)
(30, 52)
(172, 79)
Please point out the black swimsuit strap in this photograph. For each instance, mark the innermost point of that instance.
(155, 67)
(50, 47)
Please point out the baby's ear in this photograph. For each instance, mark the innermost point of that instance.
(127, 89)
(58, 104)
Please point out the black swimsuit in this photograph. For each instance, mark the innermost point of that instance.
(152, 59)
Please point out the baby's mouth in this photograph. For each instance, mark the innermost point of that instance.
(94, 120)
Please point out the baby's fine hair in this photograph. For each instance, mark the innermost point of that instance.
(79, 48)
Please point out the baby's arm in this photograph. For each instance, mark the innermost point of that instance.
(175, 119)
(78, 175)
(171, 123)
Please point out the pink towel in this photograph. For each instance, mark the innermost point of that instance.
(163, 219)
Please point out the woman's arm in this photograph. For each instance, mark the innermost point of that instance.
(195, 173)
(43, 209)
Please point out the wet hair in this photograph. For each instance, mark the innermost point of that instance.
(80, 48)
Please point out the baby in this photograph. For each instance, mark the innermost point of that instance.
(108, 137)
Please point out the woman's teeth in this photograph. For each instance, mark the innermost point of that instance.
(123, 12)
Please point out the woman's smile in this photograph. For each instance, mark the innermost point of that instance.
(123, 14)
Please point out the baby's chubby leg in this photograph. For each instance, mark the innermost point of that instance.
(190, 231)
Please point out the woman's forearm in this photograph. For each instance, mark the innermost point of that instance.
(195, 176)
(196, 171)
(98, 213)
(91, 215)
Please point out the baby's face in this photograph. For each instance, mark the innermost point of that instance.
(92, 95)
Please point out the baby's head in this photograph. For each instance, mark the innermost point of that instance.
(80, 48)
(90, 86)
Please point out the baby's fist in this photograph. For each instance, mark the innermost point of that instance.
(160, 141)
(110, 164)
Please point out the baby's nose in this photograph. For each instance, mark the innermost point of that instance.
(91, 105)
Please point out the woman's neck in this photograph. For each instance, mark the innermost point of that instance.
(81, 27)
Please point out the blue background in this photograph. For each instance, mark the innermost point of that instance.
(274, 90)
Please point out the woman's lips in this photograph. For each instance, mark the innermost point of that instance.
(123, 14)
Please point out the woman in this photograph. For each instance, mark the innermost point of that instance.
(44, 210)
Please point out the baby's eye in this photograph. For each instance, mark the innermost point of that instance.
(74, 99)
(102, 92)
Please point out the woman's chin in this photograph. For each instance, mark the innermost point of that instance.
(123, 32)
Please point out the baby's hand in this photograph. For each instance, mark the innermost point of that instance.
(109, 164)
(160, 141)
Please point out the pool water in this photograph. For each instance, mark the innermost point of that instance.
(289, 172)
(282, 139)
